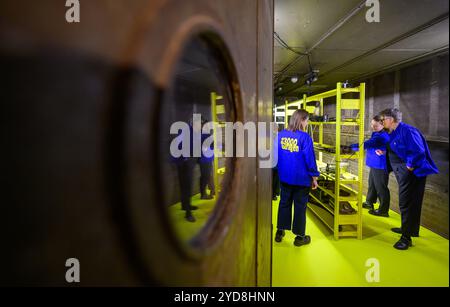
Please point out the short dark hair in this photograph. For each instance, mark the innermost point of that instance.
(392, 112)
(377, 118)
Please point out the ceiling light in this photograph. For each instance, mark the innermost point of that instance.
(311, 77)
(294, 79)
(346, 84)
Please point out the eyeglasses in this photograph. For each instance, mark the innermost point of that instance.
(384, 118)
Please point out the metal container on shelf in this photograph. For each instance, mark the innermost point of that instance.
(331, 167)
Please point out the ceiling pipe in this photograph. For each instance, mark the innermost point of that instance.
(329, 32)
(404, 63)
(404, 36)
(399, 65)
(397, 39)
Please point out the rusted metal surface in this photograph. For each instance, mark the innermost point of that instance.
(79, 114)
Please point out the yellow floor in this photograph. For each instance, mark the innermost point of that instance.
(187, 230)
(328, 262)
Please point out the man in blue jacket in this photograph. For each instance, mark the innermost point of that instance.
(298, 173)
(410, 159)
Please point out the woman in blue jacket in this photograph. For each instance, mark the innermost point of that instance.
(378, 175)
(410, 159)
(297, 171)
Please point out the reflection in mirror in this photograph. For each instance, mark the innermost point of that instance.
(194, 167)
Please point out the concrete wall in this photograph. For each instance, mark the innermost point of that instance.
(420, 91)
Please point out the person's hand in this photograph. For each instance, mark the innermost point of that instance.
(354, 147)
(379, 152)
(314, 184)
(410, 168)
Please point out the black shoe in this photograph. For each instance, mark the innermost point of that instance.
(399, 231)
(193, 208)
(378, 213)
(299, 241)
(279, 235)
(189, 217)
(396, 230)
(403, 244)
(206, 197)
(367, 206)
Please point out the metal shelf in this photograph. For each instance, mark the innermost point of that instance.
(354, 155)
(331, 176)
(323, 215)
(326, 206)
(350, 90)
(343, 123)
(322, 145)
(341, 198)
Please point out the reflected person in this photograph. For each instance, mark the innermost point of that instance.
(185, 168)
(206, 166)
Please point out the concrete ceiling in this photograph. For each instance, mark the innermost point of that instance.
(342, 45)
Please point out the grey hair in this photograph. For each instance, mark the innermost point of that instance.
(392, 112)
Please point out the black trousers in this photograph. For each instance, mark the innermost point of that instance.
(299, 196)
(378, 189)
(411, 191)
(205, 177)
(275, 183)
(211, 184)
(185, 174)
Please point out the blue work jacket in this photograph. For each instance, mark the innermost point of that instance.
(378, 140)
(296, 159)
(412, 148)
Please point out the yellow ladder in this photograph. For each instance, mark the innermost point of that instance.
(217, 109)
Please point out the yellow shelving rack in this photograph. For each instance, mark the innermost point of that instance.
(217, 109)
(330, 215)
(290, 107)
